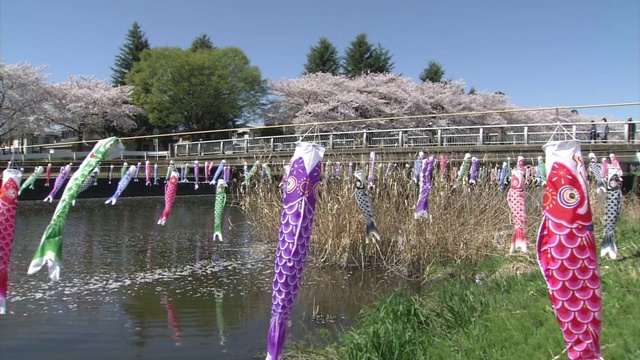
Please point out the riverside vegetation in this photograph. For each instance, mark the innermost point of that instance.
(477, 302)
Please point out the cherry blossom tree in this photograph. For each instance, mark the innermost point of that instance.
(23, 93)
(84, 104)
(330, 98)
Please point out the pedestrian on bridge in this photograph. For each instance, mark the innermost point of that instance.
(605, 130)
(593, 132)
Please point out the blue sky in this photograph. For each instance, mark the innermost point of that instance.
(540, 53)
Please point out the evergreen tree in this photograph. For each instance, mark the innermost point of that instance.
(361, 58)
(322, 58)
(433, 73)
(472, 91)
(129, 54)
(202, 42)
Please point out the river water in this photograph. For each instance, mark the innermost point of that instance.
(131, 289)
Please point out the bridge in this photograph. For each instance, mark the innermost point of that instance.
(489, 143)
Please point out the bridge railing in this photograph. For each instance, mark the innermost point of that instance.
(521, 134)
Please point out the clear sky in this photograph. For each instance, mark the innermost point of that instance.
(540, 53)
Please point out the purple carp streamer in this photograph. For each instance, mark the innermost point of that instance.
(475, 163)
(298, 210)
(62, 177)
(422, 207)
(196, 175)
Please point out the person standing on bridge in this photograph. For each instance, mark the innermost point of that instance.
(605, 130)
(593, 132)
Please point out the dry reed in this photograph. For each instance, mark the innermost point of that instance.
(467, 223)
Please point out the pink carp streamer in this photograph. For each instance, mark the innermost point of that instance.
(48, 172)
(566, 250)
(8, 205)
(172, 318)
(515, 199)
(170, 189)
(296, 220)
(147, 173)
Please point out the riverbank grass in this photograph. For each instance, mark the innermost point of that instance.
(498, 309)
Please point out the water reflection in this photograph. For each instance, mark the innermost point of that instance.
(130, 288)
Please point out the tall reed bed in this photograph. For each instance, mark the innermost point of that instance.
(467, 223)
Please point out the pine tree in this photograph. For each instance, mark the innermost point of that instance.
(361, 58)
(322, 58)
(202, 42)
(129, 54)
(433, 73)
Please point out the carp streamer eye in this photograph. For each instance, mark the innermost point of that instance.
(568, 197)
(291, 184)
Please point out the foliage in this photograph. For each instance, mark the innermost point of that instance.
(23, 94)
(361, 57)
(325, 97)
(322, 58)
(434, 72)
(201, 90)
(202, 42)
(129, 54)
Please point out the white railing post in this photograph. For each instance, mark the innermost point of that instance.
(481, 136)
(574, 131)
(330, 141)
(526, 135)
(401, 138)
(271, 145)
(439, 137)
(364, 139)
(246, 145)
(199, 148)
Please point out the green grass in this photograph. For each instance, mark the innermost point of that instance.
(507, 317)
